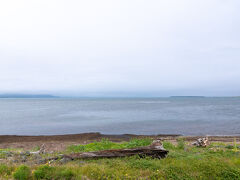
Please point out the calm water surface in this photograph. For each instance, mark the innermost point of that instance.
(187, 116)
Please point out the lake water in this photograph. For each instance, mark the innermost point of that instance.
(187, 116)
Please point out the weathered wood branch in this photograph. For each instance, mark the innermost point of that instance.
(40, 151)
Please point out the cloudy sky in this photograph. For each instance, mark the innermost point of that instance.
(120, 47)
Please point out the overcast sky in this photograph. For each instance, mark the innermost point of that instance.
(120, 47)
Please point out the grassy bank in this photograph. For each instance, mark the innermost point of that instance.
(218, 161)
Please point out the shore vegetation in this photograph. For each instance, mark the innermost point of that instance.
(184, 162)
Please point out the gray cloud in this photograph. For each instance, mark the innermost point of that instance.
(120, 47)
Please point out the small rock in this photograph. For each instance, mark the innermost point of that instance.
(65, 160)
(27, 153)
(41, 161)
(9, 154)
(24, 158)
(12, 159)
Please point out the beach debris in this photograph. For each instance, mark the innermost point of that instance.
(201, 142)
(40, 151)
(8, 153)
(157, 144)
(13, 160)
(155, 150)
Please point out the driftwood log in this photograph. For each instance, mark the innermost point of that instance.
(155, 150)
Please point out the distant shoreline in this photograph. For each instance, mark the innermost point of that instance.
(95, 135)
(187, 96)
(27, 96)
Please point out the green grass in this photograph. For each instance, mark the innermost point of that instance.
(180, 143)
(48, 172)
(36, 148)
(5, 171)
(22, 173)
(183, 162)
(106, 144)
(4, 152)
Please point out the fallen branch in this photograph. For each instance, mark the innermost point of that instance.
(40, 151)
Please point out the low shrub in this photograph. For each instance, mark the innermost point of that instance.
(168, 145)
(65, 174)
(48, 173)
(22, 173)
(44, 172)
(5, 170)
(180, 143)
(229, 146)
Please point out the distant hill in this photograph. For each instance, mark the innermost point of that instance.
(27, 96)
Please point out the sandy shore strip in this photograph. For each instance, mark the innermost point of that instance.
(60, 142)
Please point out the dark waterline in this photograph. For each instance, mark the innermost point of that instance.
(187, 116)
